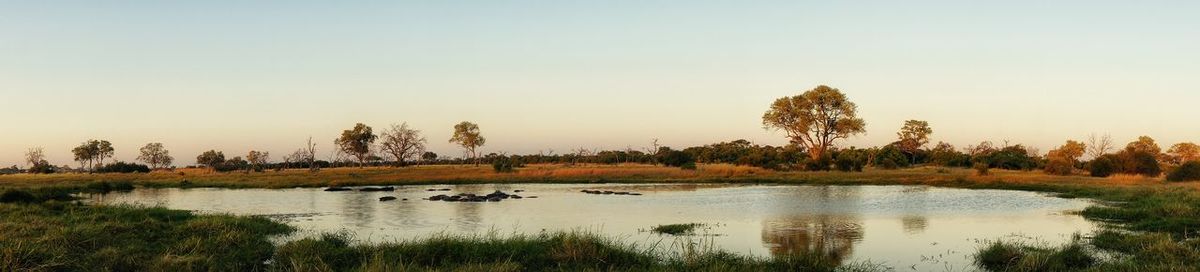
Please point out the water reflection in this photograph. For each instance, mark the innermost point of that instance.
(830, 236)
(914, 224)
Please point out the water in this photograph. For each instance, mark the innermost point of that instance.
(905, 227)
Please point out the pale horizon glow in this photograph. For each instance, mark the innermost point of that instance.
(536, 76)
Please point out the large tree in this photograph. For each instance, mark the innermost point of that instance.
(1183, 152)
(913, 135)
(815, 119)
(155, 155)
(466, 134)
(402, 142)
(357, 142)
(258, 159)
(93, 152)
(211, 158)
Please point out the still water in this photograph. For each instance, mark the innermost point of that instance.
(904, 227)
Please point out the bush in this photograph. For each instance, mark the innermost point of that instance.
(821, 164)
(890, 157)
(506, 164)
(124, 167)
(1145, 164)
(676, 158)
(1102, 167)
(688, 166)
(1188, 171)
(43, 167)
(1059, 166)
(982, 168)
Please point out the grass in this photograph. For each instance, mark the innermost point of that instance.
(66, 236)
(676, 229)
(560, 251)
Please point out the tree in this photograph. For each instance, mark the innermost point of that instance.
(211, 158)
(35, 156)
(258, 159)
(1144, 144)
(815, 119)
(913, 135)
(1061, 161)
(311, 155)
(466, 134)
(402, 142)
(1183, 152)
(84, 154)
(429, 156)
(1097, 147)
(357, 142)
(104, 149)
(155, 155)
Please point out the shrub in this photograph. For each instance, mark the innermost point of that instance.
(124, 167)
(1145, 164)
(1059, 166)
(1102, 167)
(676, 158)
(43, 167)
(688, 166)
(981, 168)
(1188, 171)
(821, 164)
(890, 157)
(506, 164)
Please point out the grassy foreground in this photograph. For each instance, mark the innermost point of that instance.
(1153, 227)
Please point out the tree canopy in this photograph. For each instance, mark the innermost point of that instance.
(815, 119)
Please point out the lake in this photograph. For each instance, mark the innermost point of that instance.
(904, 227)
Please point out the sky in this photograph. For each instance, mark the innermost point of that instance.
(538, 76)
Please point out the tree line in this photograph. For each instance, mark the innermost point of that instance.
(813, 123)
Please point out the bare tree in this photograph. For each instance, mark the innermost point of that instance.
(35, 156)
(653, 150)
(402, 143)
(311, 155)
(1097, 147)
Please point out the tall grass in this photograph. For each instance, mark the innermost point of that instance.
(63, 236)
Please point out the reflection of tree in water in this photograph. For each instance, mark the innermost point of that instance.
(914, 224)
(829, 236)
(467, 216)
(358, 209)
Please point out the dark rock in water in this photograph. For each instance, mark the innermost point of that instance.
(430, 190)
(337, 189)
(515, 197)
(621, 193)
(403, 199)
(494, 199)
(518, 191)
(437, 197)
(608, 192)
(387, 198)
(635, 193)
(531, 197)
(378, 189)
(444, 189)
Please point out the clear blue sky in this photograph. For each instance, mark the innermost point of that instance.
(540, 75)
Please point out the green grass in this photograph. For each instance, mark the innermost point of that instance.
(65, 236)
(562, 251)
(676, 229)
(1009, 256)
